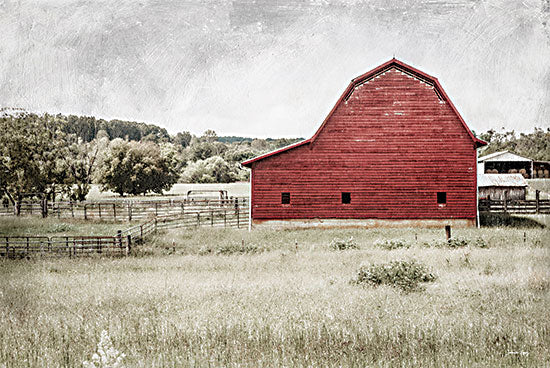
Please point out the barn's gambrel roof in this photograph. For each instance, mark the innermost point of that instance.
(393, 63)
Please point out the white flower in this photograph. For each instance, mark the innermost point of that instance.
(107, 356)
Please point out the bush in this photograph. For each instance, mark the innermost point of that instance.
(405, 275)
(393, 244)
(339, 244)
(457, 243)
(228, 249)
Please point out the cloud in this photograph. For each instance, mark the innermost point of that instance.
(268, 68)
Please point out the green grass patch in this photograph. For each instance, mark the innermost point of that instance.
(393, 244)
(406, 275)
(29, 226)
(343, 244)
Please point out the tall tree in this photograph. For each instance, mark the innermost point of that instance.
(31, 156)
(137, 168)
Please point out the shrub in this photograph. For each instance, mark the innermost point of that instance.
(343, 244)
(457, 243)
(405, 275)
(393, 244)
(235, 248)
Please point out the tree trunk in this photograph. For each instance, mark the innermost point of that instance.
(17, 206)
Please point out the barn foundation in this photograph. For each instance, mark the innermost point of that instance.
(361, 223)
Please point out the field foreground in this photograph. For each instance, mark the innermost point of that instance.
(233, 298)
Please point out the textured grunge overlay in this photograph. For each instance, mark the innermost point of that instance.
(269, 67)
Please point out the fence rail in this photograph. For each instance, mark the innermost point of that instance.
(540, 206)
(71, 246)
(122, 210)
(228, 213)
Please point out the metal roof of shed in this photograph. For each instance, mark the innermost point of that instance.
(504, 156)
(501, 180)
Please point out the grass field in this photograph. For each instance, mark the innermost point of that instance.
(283, 298)
(28, 226)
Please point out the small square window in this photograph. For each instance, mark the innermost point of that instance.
(441, 197)
(346, 197)
(285, 198)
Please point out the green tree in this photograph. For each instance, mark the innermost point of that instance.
(182, 139)
(81, 161)
(137, 168)
(212, 170)
(32, 152)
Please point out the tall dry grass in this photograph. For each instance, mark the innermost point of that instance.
(282, 306)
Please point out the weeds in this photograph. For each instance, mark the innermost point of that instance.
(457, 243)
(405, 275)
(343, 244)
(234, 248)
(393, 244)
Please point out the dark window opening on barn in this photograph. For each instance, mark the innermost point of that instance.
(285, 198)
(441, 197)
(346, 197)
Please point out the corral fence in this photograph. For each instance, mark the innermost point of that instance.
(123, 210)
(229, 213)
(520, 206)
(69, 246)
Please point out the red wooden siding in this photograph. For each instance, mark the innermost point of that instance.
(393, 143)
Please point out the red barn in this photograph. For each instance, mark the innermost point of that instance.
(393, 151)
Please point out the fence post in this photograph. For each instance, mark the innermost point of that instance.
(156, 222)
(448, 232)
(85, 215)
(114, 211)
(198, 218)
(537, 197)
(211, 217)
(72, 209)
(129, 211)
(7, 246)
(141, 231)
(183, 208)
(224, 218)
(156, 209)
(67, 245)
(505, 201)
(43, 208)
(99, 209)
(27, 245)
(128, 244)
(99, 245)
(119, 237)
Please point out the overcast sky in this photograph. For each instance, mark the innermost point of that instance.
(269, 68)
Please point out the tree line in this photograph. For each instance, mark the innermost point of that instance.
(44, 155)
(48, 156)
(534, 145)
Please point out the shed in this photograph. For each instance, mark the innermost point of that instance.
(393, 151)
(501, 186)
(505, 162)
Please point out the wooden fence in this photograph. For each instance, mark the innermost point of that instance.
(124, 210)
(70, 246)
(535, 206)
(227, 214)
